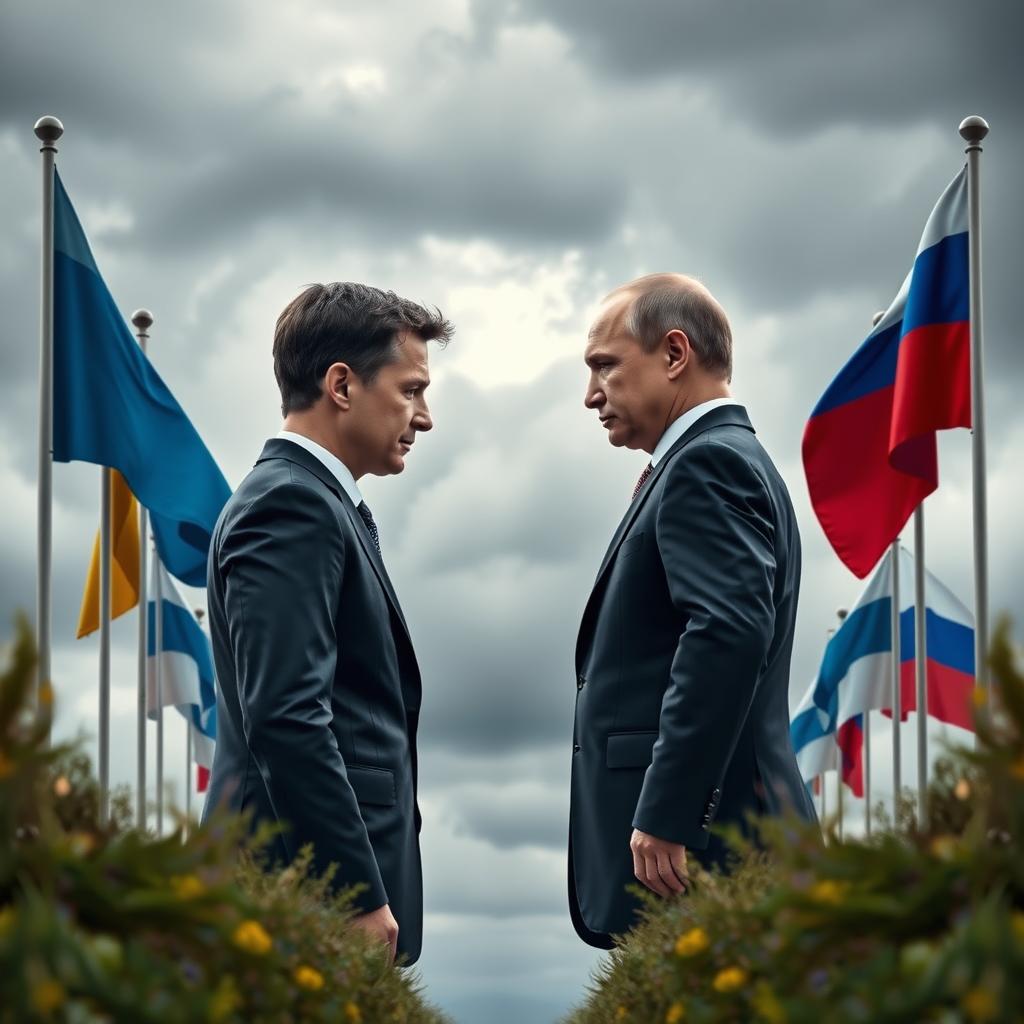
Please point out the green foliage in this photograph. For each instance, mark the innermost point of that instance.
(914, 924)
(105, 923)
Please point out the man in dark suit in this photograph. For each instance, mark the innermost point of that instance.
(319, 690)
(682, 659)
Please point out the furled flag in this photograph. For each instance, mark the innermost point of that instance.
(869, 448)
(124, 562)
(110, 407)
(856, 671)
(186, 667)
(814, 738)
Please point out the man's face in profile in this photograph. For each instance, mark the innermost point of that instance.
(392, 410)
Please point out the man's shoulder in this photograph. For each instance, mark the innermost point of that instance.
(278, 485)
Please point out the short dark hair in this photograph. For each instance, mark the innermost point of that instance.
(343, 322)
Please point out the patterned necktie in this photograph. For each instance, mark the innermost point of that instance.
(648, 469)
(364, 511)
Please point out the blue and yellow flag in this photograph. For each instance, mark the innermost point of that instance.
(110, 407)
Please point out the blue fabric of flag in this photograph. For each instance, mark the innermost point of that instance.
(111, 408)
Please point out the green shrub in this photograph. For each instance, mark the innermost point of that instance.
(106, 923)
(915, 924)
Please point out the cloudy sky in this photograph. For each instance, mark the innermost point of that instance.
(510, 162)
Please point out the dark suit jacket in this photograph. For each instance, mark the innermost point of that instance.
(682, 665)
(318, 687)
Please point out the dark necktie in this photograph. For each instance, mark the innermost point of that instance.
(364, 511)
(648, 469)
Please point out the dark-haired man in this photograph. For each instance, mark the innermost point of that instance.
(682, 659)
(319, 690)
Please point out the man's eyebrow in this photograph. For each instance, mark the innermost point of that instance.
(417, 379)
(593, 358)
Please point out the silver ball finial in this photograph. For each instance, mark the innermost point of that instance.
(973, 129)
(841, 613)
(878, 316)
(48, 130)
(143, 319)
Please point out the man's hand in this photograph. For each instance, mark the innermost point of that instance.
(381, 924)
(659, 864)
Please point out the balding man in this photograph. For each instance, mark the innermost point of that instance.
(682, 659)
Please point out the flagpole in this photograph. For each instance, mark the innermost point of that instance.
(143, 320)
(106, 480)
(188, 775)
(824, 799)
(897, 697)
(867, 772)
(841, 614)
(973, 130)
(48, 130)
(159, 693)
(921, 666)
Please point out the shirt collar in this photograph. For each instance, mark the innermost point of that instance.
(338, 469)
(680, 426)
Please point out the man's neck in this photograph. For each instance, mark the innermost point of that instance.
(310, 427)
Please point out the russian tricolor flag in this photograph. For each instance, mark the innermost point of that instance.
(855, 674)
(186, 669)
(869, 448)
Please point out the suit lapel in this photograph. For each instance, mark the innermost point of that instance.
(279, 448)
(725, 415)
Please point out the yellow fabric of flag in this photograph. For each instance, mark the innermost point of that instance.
(124, 549)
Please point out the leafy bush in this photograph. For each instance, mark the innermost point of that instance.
(916, 924)
(105, 923)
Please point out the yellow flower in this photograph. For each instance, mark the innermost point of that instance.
(187, 887)
(308, 977)
(352, 1013)
(82, 844)
(767, 1004)
(829, 891)
(1017, 769)
(729, 979)
(621, 1013)
(252, 937)
(61, 786)
(962, 790)
(943, 847)
(47, 996)
(979, 1004)
(225, 1000)
(675, 1014)
(692, 942)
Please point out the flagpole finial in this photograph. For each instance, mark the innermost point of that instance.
(841, 614)
(973, 129)
(878, 316)
(142, 319)
(48, 130)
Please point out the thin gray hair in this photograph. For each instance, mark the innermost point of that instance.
(672, 302)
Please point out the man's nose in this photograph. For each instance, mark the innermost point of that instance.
(422, 420)
(594, 398)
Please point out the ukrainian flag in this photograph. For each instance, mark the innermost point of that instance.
(110, 407)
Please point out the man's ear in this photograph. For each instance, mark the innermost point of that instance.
(336, 385)
(677, 353)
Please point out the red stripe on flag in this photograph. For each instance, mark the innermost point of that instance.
(202, 778)
(851, 743)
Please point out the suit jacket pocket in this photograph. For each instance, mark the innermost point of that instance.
(372, 785)
(630, 749)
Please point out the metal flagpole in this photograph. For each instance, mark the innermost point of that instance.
(143, 320)
(188, 776)
(841, 614)
(824, 798)
(48, 130)
(159, 692)
(106, 480)
(897, 697)
(867, 772)
(921, 666)
(973, 130)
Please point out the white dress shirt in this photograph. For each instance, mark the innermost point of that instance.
(678, 427)
(338, 468)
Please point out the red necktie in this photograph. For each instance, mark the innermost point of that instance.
(643, 476)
